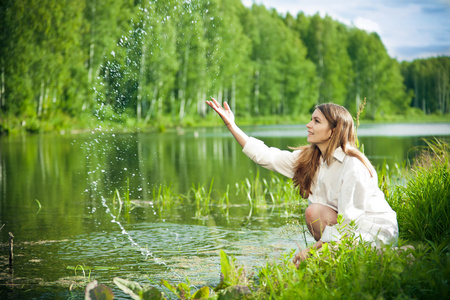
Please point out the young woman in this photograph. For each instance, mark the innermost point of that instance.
(331, 173)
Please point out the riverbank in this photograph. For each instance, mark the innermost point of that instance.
(85, 123)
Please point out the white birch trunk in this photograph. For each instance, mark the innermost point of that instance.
(91, 62)
(140, 83)
(233, 93)
(182, 92)
(2, 88)
(41, 98)
(256, 92)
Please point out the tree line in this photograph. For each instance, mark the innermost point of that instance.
(74, 61)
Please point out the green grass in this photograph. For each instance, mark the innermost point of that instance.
(349, 272)
(423, 203)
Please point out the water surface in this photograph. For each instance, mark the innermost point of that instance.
(57, 192)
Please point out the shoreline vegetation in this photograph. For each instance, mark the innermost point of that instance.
(63, 67)
(131, 125)
(418, 268)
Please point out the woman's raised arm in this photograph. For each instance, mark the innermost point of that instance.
(228, 118)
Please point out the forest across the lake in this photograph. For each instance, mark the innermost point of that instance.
(68, 65)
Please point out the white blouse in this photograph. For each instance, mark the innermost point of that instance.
(345, 185)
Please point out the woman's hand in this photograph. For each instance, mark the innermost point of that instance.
(228, 118)
(305, 253)
(301, 256)
(224, 112)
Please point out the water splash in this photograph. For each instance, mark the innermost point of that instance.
(144, 251)
(113, 94)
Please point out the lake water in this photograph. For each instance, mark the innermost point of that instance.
(57, 196)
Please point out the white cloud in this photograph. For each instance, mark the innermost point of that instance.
(406, 27)
(367, 25)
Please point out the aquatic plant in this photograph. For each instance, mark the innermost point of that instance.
(202, 198)
(164, 198)
(39, 206)
(259, 191)
(125, 204)
(83, 269)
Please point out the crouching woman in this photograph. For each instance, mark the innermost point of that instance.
(331, 173)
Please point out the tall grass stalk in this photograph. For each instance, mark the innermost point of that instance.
(276, 190)
(123, 204)
(117, 194)
(164, 199)
(423, 203)
(127, 200)
(202, 198)
(39, 206)
(361, 107)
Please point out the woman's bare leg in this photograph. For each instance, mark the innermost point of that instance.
(317, 217)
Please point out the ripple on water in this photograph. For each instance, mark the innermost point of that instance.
(179, 250)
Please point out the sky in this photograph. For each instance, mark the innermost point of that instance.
(409, 29)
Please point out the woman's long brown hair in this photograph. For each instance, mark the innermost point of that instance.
(343, 135)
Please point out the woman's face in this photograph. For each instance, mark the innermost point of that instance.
(319, 131)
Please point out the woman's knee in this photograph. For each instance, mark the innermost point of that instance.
(316, 212)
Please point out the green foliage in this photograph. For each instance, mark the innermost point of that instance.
(428, 81)
(353, 270)
(230, 274)
(65, 66)
(327, 42)
(95, 291)
(233, 281)
(423, 203)
(183, 290)
(137, 291)
(377, 77)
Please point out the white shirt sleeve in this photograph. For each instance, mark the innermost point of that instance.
(274, 159)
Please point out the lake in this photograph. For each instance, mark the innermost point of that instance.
(59, 197)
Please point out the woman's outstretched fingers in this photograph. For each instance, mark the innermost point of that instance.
(224, 112)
